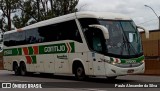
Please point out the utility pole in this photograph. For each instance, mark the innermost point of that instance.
(155, 14)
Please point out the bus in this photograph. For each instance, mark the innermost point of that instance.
(84, 44)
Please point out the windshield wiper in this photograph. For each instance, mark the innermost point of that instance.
(126, 41)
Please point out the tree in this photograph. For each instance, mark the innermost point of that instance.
(8, 7)
(2, 22)
(62, 7)
(27, 12)
(21, 20)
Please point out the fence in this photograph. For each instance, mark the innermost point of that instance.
(151, 50)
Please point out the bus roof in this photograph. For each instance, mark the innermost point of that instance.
(85, 14)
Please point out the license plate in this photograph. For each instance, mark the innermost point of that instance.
(130, 71)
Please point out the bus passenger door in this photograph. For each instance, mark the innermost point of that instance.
(96, 64)
(96, 44)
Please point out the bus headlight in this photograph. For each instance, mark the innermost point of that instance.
(143, 61)
(114, 63)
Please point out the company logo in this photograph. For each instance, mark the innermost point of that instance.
(21, 85)
(130, 61)
(6, 85)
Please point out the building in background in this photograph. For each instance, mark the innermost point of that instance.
(151, 48)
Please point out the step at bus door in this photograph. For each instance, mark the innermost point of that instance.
(96, 64)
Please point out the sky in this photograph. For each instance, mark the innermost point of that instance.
(141, 15)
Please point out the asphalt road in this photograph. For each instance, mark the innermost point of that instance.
(68, 83)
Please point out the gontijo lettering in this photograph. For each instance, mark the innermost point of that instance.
(42, 49)
(55, 48)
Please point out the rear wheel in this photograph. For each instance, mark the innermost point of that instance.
(23, 70)
(16, 69)
(80, 73)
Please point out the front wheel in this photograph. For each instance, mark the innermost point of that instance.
(80, 73)
(111, 78)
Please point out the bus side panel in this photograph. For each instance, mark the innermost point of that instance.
(82, 57)
(80, 54)
(7, 62)
(96, 63)
(39, 63)
(61, 63)
(48, 62)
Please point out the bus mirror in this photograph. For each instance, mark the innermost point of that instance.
(103, 28)
(146, 31)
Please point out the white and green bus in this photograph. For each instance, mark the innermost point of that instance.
(82, 43)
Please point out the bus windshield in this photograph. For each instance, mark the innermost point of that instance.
(124, 39)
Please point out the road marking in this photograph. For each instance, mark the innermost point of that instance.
(17, 81)
(96, 90)
(12, 81)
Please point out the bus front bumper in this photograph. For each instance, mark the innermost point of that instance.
(112, 70)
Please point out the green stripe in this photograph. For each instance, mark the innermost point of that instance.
(43, 49)
(12, 52)
(55, 48)
(20, 51)
(34, 60)
(139, 59)
(30, 50)
(112, 60)
(72, 47)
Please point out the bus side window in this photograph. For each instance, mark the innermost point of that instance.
(33, 36)
(69, 31)
(95, 39)
(6, 40)
(20, 38)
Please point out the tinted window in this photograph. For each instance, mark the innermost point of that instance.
(20, 39)
(49, 33)
(85, 22)
(95, 39)
(56, 32)
(33, 36)
(61, 31)
(6, 40)
(13, 39)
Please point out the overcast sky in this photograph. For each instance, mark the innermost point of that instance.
(142, 15)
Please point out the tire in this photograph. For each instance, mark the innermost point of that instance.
(29, 73)
(111, 78)
(80, 73)
(23, 70)
(16, 69)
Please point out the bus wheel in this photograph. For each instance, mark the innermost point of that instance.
(80, 74)
(111, 78)
(16, 69)
(23, 70)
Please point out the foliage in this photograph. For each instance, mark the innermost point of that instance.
(25, 12)
(7, 7)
